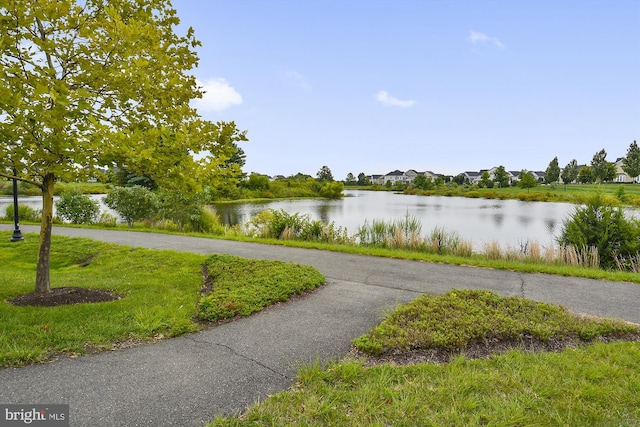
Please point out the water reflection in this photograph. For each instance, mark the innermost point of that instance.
(524, 220)
(498, 219)
(508, 222)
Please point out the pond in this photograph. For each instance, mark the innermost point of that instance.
(508, 222)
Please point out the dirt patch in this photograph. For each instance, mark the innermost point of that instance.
(480, 350)
(65, 296)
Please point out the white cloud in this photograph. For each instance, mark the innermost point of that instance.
(218, 95)
(477, 38)
(298, 79)
(387, 100)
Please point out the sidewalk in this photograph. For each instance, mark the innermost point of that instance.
(187, 381)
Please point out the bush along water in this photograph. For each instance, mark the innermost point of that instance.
(77, 208)
(25, 213)
(604, 228)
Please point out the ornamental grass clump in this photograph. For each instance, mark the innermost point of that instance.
(405, 233)
(279, 224)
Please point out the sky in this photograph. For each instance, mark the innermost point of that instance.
(445, 86)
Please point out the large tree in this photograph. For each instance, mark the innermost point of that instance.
(553, 171)
(501, 177)
(324, 174)
(585, 176)
(631, 163)
(570, 172)
(100, 83)
(527, 180)
(363, 179)
(485, 180)
(599, 166)
(350, 180)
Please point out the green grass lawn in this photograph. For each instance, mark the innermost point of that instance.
(588, 383)
(583, 385)
(160, 289)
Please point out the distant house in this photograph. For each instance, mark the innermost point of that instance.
(410, 175)
(538, 175)
(621, 175)
(398, 176)
(472, 177)
(395, 176)
(376, 179)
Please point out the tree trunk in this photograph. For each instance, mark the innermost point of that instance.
(43, 283)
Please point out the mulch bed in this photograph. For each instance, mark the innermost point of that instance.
(65, 296)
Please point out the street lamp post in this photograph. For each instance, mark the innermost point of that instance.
(17, 235)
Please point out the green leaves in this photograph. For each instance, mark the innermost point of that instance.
(103, 83)
(97, 83)
(604, 227)
(631, 162)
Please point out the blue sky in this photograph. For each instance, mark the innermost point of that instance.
(446, 86)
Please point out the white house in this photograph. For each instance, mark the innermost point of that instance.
(621, 175)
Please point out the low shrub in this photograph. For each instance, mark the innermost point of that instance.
(133, 203)
(332, 190)
(77, 208)
(107, 220)
(25, 213)
(600, 225)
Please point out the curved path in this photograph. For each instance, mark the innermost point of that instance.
(187, 381)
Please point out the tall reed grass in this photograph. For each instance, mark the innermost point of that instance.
(533, 252)
(406, 234)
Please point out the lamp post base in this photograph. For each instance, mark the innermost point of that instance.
(17, 236)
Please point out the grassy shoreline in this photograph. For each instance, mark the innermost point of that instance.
(475, 260)
(618, 194)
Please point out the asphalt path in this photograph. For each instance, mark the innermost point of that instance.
(187, 381)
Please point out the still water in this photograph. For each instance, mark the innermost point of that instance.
(509, 222)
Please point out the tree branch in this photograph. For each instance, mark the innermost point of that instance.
(28, 181)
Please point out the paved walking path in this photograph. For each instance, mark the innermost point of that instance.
(187, 381)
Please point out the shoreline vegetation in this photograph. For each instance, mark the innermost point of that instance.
(615, 194)
(402, 238)
(626, 194)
